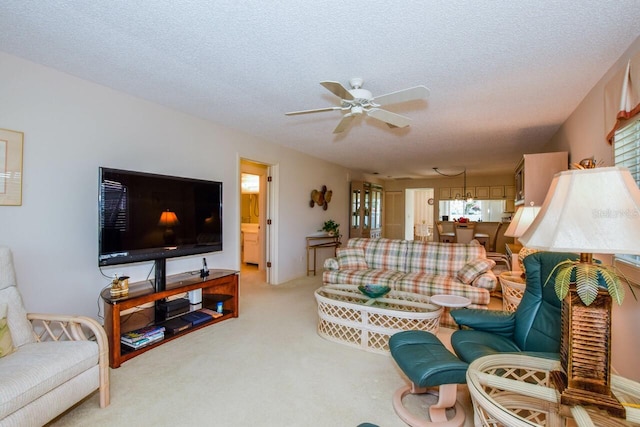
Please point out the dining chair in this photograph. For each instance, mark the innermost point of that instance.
(464, 232)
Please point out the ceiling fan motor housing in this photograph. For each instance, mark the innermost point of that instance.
(361, 94)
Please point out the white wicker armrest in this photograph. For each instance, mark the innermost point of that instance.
(548, 394)
(628, 393)
(60, 327)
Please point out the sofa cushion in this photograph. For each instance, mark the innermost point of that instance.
(351, 258)
(434, 284)
(369, 276)
(441, 258)
(6, 343)
(38, 368)
(486, 280)
(388, 254)
(474, 268)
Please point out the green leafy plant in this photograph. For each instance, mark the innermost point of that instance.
(587, 279)
(330, 226)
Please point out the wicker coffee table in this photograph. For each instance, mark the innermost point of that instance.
(347, 316)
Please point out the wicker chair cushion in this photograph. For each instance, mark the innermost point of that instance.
(38, 368)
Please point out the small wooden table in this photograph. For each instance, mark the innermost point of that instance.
(319, 241)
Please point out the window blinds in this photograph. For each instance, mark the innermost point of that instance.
(627, 154)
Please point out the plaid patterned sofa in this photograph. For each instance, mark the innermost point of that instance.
(426, 268)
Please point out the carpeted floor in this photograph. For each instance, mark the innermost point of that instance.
(268, 367)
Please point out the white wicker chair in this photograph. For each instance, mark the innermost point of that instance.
(58, 359)
(515, 390)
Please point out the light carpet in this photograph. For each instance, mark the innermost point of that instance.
(268, 367)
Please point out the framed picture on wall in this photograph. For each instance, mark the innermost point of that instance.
(11, 167)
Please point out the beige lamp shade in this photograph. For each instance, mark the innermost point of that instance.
(588, 211)
(521, 221)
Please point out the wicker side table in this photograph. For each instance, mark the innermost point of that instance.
(513, 286)
(347, 316)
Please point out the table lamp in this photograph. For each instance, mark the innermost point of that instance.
(588, 211)
(168, 219)
(519, 224)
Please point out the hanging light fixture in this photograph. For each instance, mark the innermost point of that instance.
(465, 195)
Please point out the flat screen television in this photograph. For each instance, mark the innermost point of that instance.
(151, 217)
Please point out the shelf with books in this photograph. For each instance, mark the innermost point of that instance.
(221, 286)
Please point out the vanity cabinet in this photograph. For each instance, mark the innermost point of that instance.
(534, 174)
(365, 218)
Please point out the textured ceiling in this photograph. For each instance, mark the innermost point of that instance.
(503, 75)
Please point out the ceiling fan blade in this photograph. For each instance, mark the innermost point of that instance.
(317, 110)
(344, 123)
(388, 117)
(410, 94)
(338, 90)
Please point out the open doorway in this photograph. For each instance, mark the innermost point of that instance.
(419, 212)
(253, 217)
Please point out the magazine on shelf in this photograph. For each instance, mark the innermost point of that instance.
(145, 341)
(140, 334)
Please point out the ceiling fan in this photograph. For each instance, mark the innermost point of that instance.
(358, 101)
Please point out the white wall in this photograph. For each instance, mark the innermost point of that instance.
(583, 135)
(72, 126)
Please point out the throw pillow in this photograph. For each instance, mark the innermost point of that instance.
(473, 269)
(6, 343)
(351, 259)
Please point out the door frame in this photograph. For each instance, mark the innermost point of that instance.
(267, 202)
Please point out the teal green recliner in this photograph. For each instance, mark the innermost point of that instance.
(533, 327)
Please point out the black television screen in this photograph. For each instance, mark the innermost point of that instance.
(147, 217)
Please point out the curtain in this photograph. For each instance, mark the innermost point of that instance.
(622, 97)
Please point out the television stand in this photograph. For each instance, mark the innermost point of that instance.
(219, 285)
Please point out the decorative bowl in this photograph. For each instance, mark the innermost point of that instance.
(374, 291)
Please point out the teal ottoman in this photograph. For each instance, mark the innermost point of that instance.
(427, 363)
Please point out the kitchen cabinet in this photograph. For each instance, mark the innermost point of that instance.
(482, 192)
(534, 174)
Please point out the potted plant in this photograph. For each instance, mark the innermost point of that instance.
(331, 227)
